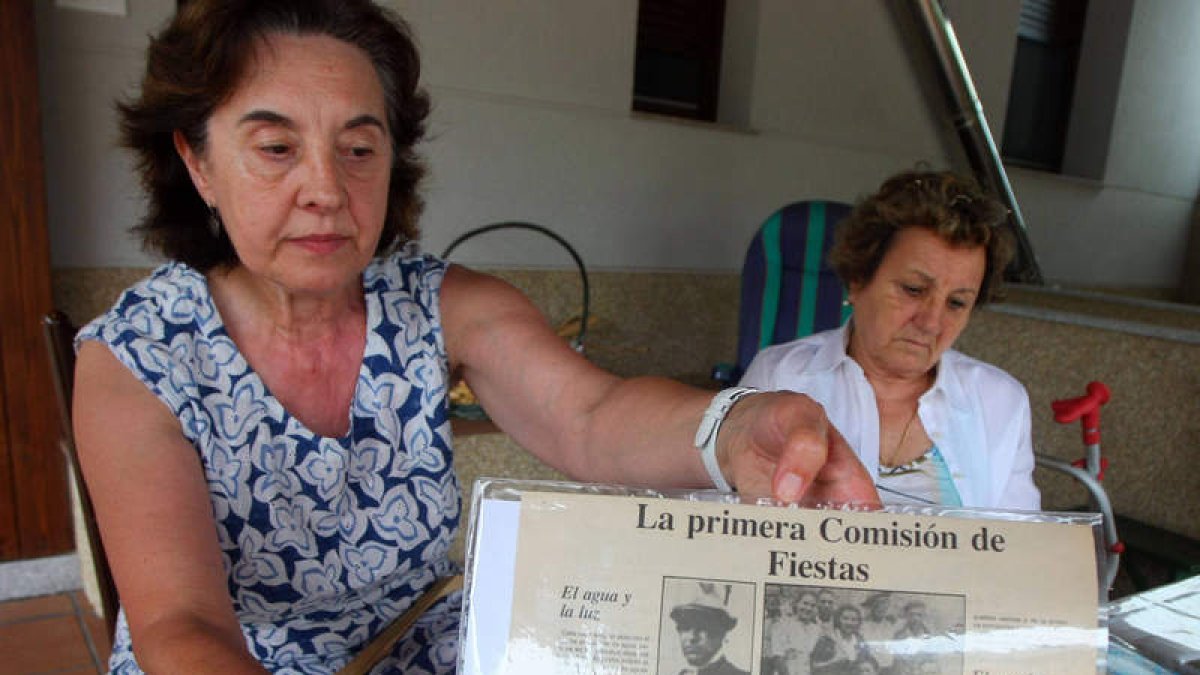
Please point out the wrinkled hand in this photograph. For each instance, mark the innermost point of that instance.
(781, 444)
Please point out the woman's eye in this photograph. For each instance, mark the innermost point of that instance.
(359, 150)
(275, 149)
(911, 290)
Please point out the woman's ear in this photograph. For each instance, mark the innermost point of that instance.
(852, 290)
(194, 165)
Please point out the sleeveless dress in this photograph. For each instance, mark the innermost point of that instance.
(324, 540)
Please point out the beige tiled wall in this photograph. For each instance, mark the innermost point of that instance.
(1150, 430)
(679, 325)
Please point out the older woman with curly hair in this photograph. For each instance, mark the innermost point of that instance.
(932, 425)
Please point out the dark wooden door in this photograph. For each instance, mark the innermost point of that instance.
(34, 507)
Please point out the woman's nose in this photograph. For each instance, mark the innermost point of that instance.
(323, 188)
(929, 315)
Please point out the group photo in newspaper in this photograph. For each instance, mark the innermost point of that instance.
(678, 586)
(708, 627)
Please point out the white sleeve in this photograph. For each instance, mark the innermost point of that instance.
(760, 374)
(1018, 490)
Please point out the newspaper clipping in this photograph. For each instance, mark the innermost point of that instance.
(641, 585)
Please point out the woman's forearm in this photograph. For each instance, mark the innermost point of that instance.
(191, 646)
(641, 433)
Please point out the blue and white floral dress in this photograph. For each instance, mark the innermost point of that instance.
(325, 540)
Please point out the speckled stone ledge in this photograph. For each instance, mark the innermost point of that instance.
(681, 324)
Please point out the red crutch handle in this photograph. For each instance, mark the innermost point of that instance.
(1087, 408)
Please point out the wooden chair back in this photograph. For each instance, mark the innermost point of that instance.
(59, 333)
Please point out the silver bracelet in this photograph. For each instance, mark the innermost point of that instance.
(710, 424)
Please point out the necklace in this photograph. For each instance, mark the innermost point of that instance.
(900, 444)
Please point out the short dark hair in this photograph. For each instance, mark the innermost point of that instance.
(197, 61)
(949, 205)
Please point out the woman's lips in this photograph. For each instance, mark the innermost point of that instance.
(321, 244)
(919, 341)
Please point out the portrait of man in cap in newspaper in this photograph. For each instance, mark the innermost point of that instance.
(702, 622)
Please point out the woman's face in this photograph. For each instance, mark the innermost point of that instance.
(806, 607)
(849, 619)
(916, 305)
(298, 162)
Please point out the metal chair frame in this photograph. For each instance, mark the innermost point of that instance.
(1089, 470)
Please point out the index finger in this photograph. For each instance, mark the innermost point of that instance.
(842, 479)
(818, 467)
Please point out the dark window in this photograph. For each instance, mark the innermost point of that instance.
(678, 60)
(1039, 100)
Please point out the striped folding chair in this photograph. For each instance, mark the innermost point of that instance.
(788, 288)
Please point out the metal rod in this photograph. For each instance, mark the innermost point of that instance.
(585, 308)
(972, 128)
(1112, 541)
